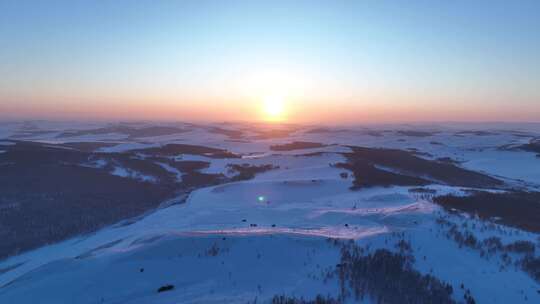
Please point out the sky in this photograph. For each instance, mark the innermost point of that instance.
(324, 61)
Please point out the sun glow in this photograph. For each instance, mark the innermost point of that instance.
(274, 108)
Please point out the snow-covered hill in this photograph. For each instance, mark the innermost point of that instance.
(283, 231)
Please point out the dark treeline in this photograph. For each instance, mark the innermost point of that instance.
(368, 175)
(518, 209)
(389, 277)
(520, 253)
(231, 133)
(297, 145)
(130, 131)
(532, 146)
(387, 167)
(47, 196)
(531, 265)
(247, 171)
(413, 133)
(49, 193)
(179, 149)
(293, 300)
(382, 276)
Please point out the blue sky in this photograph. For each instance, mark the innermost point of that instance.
(398, 58)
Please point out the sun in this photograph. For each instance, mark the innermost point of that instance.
(274, 107)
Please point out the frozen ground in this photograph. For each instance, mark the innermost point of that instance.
(250, 240)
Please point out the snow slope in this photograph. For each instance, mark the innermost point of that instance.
(251, 240)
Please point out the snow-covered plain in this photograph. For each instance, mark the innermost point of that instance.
(250, 240)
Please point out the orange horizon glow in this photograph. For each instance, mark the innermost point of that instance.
(293, 111)
(270, 95)
(346, 62)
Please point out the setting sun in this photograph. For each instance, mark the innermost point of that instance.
(273, 107)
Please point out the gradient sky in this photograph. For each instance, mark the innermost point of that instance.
(332, 61)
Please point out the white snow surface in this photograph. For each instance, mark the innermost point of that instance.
(123, 172)
(248, 240)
